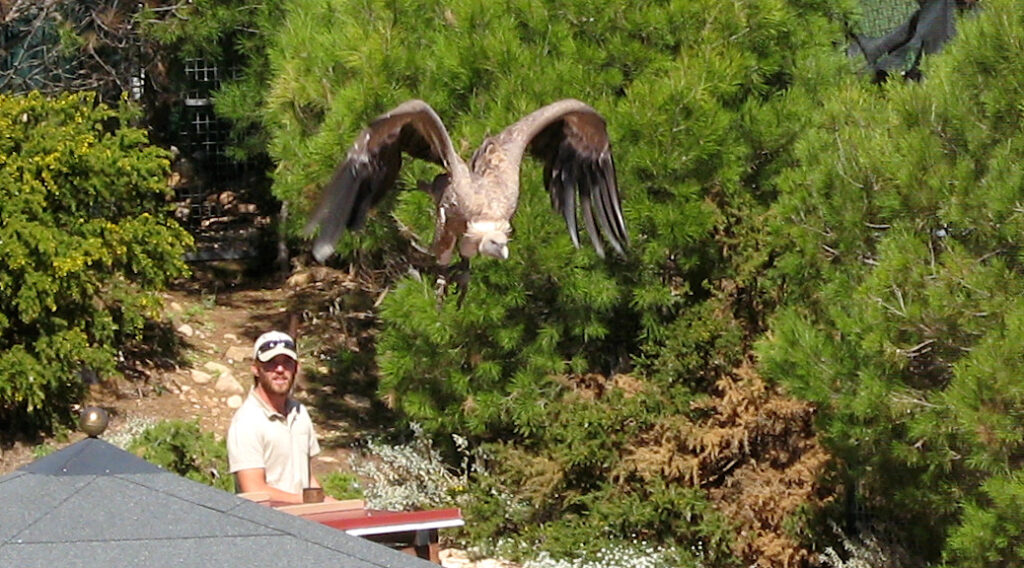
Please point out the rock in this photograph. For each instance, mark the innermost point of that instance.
(199, 377)
(217, 368)
(454, 558)
(186, 330)
(237, 353)
(299, 279)
(228, 384)
(234, 401)
(230, 337)
(175, 307)
(358, 401)
(493, 563)
(227, 198)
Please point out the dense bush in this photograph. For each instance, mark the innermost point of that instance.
(181, 447)
(85, 240)
(342, 485)
(405, 477)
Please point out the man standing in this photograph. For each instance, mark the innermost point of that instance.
(271, 440)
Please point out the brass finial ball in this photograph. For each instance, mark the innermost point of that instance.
(93, 421)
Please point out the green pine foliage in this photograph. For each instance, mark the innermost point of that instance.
(683, 86)
(904, 226)
(696, 95)
(992, 529)
(85, 240)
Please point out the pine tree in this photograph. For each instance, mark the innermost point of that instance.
(703, 100)
(898, 236)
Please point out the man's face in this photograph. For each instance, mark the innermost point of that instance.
(276, 376)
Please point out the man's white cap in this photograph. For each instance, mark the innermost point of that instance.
(273, 343)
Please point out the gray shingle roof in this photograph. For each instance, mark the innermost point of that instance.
(92, 504)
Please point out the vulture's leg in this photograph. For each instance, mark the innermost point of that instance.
(441, 286)
(444, 248)
(446, 235)
(458, 274)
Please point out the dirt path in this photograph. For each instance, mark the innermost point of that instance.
(216, 329)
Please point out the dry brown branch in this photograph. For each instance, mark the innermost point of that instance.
(756, 455)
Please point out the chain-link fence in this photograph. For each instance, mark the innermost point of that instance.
(879, 17)
(223, 201)
(893, 35)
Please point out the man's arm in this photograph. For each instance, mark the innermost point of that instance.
(255, 479)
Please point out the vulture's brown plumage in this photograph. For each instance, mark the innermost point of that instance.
(475, 202)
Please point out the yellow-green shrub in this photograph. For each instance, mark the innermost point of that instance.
(84, 242)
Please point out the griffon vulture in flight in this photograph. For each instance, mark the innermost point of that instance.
(475, 202)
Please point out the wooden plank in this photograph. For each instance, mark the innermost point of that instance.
(325, 507)
(367, 522)
(257, 496)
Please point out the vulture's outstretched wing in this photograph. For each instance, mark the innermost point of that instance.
(571, 139)
(371, 167)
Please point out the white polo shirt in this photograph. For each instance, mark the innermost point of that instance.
(261, 437)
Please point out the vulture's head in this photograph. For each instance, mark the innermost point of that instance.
(494, 244)
(488, 238)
